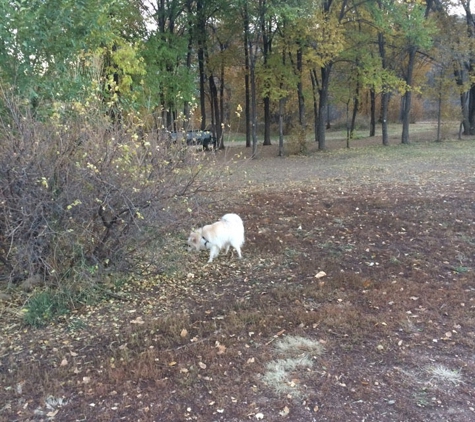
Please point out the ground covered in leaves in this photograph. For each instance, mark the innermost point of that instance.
(354, 300)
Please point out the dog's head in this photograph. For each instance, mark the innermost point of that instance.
(194, 240)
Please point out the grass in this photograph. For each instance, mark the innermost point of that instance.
(440, 374)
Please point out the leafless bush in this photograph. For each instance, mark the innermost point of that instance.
(78, 195)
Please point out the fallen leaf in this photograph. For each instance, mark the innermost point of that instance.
(284, 412)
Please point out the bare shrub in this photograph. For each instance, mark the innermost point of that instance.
(297, 142)
(79, 195)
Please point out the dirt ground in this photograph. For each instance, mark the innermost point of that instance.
(354, 301)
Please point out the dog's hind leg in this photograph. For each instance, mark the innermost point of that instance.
(238, 250)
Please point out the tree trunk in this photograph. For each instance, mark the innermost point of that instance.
(471, 110)
(314, 79)
(220, 140)
(281, 127)
(267, 121)
(406, 111)
(439, 116)
(252, 66)
(384, 117)
(465, 120)
(266, 50)
(372, 125)
(201, 34)
(384, 94)
(247, 110)
(202, 78)
(322, 105)
(356, 105)
(213, 90)
(301, 99)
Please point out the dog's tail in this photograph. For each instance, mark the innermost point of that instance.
(232, 219)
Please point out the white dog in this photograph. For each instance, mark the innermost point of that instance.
(228, 231)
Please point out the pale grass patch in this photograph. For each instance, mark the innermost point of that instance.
(297, 354)
(279, 373)
(292, 345)
(438, 374)
(442, 374)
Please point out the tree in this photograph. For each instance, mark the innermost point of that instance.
(54, 50)
(169, 83)
(415, 31)
(325, 41)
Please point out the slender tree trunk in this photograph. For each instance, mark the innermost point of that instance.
(348, 131)
(201, 34)
(281, 127)
(186, 106)
(281, 111)
(266, 48)
(301, 99)
(314, 79)
(218, 129)
(267, 121)
(465, 119)
(247, 108)
(356, 105)
(406, 112)
(372, 125)
(384, 117)
(202, 78)
(384, 94)
(220, 140)
(322, 105)
(252, 66)
(439, 117)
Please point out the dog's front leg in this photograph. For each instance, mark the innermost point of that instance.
(213, 253)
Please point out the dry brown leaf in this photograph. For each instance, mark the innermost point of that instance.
(284, 412)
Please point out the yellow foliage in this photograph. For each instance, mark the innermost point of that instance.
(325, 37)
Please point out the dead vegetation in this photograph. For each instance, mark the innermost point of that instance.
(355, 300)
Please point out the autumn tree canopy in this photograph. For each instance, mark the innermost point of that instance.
(191, 64)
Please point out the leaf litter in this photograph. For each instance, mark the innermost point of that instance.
(180, 346)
